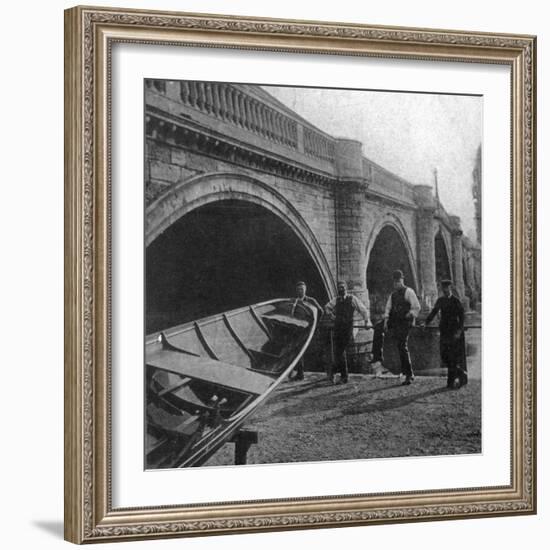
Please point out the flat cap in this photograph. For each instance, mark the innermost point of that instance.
(397, 275)
(446, 282)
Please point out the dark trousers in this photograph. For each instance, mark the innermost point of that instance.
(378, 342)
(299, 369)
(313, 354)
(400, 334)
(450, 349)
(342, 337)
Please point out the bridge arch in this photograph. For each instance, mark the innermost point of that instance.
(388, 248)
(226, 216)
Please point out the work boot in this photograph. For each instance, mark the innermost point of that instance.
(454, 383)
(376, 368)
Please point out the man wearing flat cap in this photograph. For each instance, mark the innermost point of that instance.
(341, 310)
(301, 296)
(402, 308)
(451, 330)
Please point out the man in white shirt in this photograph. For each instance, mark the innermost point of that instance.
(301, 296)
(341, 309)
(402, 308)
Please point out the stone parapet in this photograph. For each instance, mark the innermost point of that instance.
(424, 198)
(349, 159)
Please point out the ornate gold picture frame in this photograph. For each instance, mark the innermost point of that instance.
(90, 35)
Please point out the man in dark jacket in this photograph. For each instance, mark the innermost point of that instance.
(451, 327)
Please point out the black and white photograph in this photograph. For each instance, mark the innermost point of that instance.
(312, 274)
(274, 275)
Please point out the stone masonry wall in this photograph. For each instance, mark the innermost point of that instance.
(343, 200)
(168, 165)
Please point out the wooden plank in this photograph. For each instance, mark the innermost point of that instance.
(287, 321)
(210, 371)
(168, 423)
(174, 387)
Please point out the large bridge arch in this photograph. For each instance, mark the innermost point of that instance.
(388, 248)
(231, 200)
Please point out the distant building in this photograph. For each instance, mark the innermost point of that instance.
(476, 192)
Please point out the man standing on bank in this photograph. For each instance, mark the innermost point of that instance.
(341, 310)
(402, 308)
(451, 327)
(301, 296)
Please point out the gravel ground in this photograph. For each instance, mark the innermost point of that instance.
(366, 418)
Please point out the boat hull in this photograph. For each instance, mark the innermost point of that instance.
(206, 377)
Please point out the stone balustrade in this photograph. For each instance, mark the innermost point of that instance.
(252, 109)
(230, 104)
(384, 182)
(317, 145)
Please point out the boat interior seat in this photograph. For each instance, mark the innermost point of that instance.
(285, 320)
(265, 361)
(153, 442)
(264, 354)
(259, 363)
(193, 404)
(210, 371)
(175, 424)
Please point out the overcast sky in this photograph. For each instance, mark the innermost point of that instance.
(409, 134)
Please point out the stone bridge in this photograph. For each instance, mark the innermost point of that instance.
(244, 197)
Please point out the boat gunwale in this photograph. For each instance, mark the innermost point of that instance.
(233, 422)
(152, 338)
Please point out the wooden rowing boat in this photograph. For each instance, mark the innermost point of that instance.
(206, 377)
